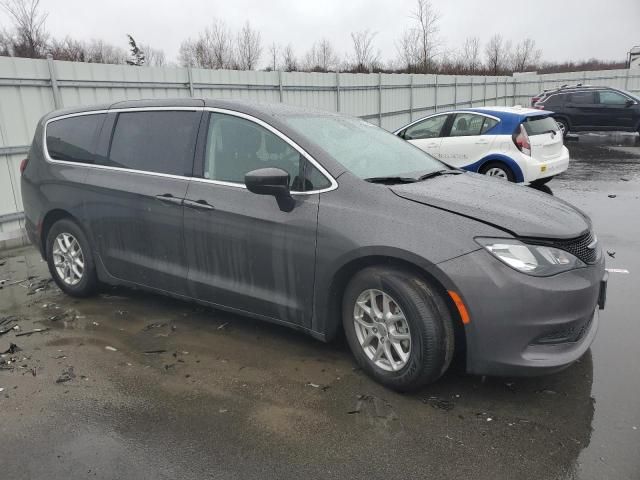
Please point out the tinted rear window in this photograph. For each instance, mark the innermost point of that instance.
(72, 139)
(161, 142)
(585, 98)
(539, 125)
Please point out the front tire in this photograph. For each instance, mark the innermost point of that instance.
(398, 327)
(70, 259)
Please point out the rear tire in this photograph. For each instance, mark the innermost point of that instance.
(497, 169)
(70, 259)
(563, 126)
(416, 313)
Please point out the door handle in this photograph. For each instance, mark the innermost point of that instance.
(198, 204)
(168, 198)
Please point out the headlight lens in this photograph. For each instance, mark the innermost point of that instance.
(538, 260)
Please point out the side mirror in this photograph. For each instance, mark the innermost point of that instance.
(629, 103)
(268, 181)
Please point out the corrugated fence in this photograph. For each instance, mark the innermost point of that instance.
(31, 88)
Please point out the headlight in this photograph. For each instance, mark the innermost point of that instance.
(538, 260)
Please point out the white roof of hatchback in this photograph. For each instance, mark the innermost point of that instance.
(517, 109)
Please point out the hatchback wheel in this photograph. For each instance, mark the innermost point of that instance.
(498, 170)
(70, 259)
(398, 327)
(563, 126)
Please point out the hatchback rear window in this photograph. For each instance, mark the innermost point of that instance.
(72, 139)
(539, 125)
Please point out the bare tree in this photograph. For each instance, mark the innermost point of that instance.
(321, 57)
(68, 49)
(6, 45)
(248, 48)
(154, 57)
(427, 18)
(29, 23)
(498, 54)
(289, 60)
(470, 57)
(526, 55)
(408, 49)
(274, 50)
(98, 51)
(366, 59)
(212, 49)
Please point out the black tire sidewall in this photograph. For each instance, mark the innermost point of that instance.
(566, 126)
(88, 283)
(429, 324)
(497, 164)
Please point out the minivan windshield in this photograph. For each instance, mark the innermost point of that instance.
(364, 149)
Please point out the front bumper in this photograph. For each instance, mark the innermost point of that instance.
(525, 325)
(537, 169)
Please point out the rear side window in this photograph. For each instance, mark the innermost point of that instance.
(159, 142)
(72, 139)
(466, 124)
(584, 98)
(539, 125)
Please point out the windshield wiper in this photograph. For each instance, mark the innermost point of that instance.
(438, 173)
(390, 180)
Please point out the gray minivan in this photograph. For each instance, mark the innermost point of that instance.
(320, 222)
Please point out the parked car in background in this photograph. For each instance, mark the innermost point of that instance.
(589, 108)
(537, 98)
(318, 222)
(514, 143)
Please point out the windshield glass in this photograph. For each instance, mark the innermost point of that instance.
(632, 95)
(364, 149)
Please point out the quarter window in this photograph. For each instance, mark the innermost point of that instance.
(608, 97)
(160, 142)
(428, 128)
(72, 139)
(236, 146)
(488, 124)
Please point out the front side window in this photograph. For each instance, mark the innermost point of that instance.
(608, 97)
(236, 146)
(466, 124)
(155, 141)
(428, 128)
(72, 139)
(365, 150)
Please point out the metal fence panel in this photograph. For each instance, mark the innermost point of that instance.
(31, 88)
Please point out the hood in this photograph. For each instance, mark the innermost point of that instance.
(519, 210)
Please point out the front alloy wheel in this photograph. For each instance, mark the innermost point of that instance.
(382, 330)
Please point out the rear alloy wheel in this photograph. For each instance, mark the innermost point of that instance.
(563, 126)
(498, 170)
(70, 259)
(398, 327)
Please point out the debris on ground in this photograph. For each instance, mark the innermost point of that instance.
(30, 332)
(39, 285)
(151, 352)
(13, 348)
(611, 253)
(223, 325)
(314, 385)
(547, 392)
(66, 375)
(154, 325)
(110, 348)
(612, 196)
(440, 403)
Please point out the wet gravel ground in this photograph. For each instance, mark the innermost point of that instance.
(136, 386)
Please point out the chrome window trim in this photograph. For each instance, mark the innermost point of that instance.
(302, 151)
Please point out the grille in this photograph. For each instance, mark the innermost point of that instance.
(576, 246)
(572, 333)
(579, 247)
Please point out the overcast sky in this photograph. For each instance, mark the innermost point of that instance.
(563, 29)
